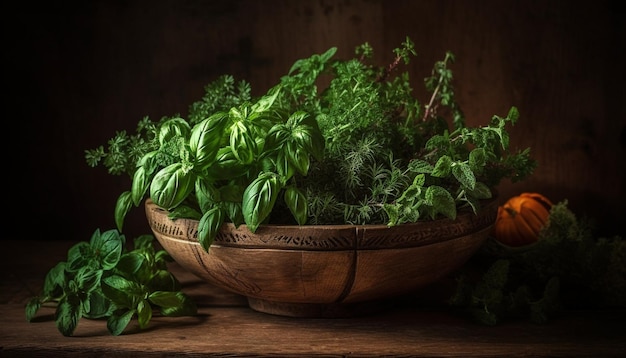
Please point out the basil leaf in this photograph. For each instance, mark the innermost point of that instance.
(226, 165)
(207, 195)
(139, 185)
(265, 102)
(108, 247)
(208, 227)
(284, 166)
(297, 204)
(259, 199)
(205, 139)
(171, 185)
(307, 135)
(242, 143)
(175, 127)
(122, 207)
(118, 321)
(298, 158)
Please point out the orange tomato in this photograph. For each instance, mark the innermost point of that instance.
(521, 219)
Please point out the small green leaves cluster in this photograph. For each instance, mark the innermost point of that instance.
(390, 159)
(103, 280)
(568, 268)
(124, 150)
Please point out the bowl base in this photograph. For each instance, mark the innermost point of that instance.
(319, 310)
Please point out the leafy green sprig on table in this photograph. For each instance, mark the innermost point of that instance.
(103, 280)
(568, 268)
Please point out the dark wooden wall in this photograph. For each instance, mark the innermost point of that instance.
(76, 73)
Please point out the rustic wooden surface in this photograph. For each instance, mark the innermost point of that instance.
(226, 326)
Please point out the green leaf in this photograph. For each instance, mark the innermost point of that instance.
(209, 226)
(306, 134)
(108, 247)
(32, 306)
(513, 114)
(226, 166)
(171, 185)
(441, 201)
(420, 166)
(477, 159)
(297, 203)
(393, 212)
(259, 199)
(163, 280)
(207, 194)
(88, 279)
(419, 181)
(55, 281)
(464, 175)
(130, 262)
(81, 255)
(443, 167)
(166, 299)
(139, 186)
(242, 143)
(122, 207)
(277, 136)
(174, 127)
(174, 304)
(438, 142)
(481, 191)
(265, 102)
(297, 157)
(284, 165)
(206, 138)
(67, 315)
(184, 211)
(144, 313)
(122, 292)
(99, 305)
(328, 54)
(149, 162)
(233, 212)
(118, 321)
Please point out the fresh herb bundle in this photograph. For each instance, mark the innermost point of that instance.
(361, 150)
(103, 280)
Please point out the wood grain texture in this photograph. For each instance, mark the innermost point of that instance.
(297, 270)
(226, 327)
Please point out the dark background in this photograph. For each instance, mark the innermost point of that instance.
(77, 72)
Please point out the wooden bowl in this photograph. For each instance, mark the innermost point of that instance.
(324, 270)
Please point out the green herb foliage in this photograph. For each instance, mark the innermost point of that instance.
(360, 149)
(568, 268)
(103, 280)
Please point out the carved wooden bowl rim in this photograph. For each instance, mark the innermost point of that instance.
(329, 237)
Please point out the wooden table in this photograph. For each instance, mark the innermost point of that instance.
(225, 326)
